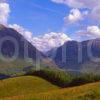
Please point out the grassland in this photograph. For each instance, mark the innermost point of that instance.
(35, 88)
(85, 92)
(24, 85)
(13, 68)
(29, 84)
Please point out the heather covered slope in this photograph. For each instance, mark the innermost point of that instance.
(24, 85)
(85, 92)
(50, 84)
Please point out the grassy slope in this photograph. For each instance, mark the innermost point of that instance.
(15, 67)
(85, 92)
(15, 64)
(24, 85)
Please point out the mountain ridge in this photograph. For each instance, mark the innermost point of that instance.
(14, 45)
(76, 54)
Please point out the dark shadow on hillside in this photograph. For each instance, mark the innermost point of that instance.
(3, 76)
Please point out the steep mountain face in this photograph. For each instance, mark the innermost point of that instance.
(13, 44)
(74, 55)
(11, 41)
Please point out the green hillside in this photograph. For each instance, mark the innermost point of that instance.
(24, 85)
(85, 92)
(39, 85)
(11, 68)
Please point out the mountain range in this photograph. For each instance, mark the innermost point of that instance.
(75, 55)
(72, 55)
(14, 46)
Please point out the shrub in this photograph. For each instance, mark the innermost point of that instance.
(55, 76)
(62, 78)
(85, 78)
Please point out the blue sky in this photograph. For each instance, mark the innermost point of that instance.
(43, 16)
(50, 23)
(38, 16)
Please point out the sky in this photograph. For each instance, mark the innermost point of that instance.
(50, 23)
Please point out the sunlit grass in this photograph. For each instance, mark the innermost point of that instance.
(24, 85)
(85, 92)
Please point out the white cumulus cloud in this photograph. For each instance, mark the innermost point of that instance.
(45, 42)
(90, 32)
(95, 13)
(71, 3)
(93, 30)
(79, 3)
(4, 12)
(50, 40)
(27, 34)
(92, 5)
(74, 16)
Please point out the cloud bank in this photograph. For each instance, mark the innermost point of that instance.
(74, 16)
(4, 12)
(27, 34)
(79, 3)
(92, 5)
(45, 42)
(50, 40)
(83, 10)
(91, 32)
(54, 39)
